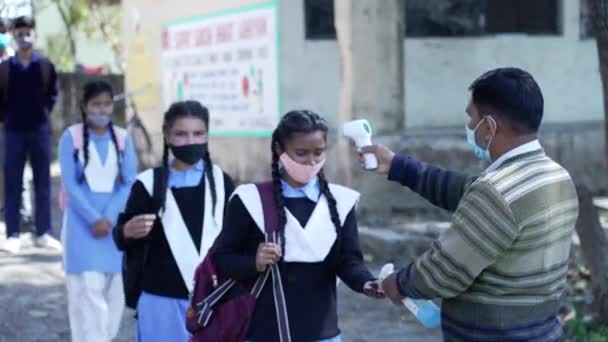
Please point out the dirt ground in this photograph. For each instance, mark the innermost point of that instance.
(34, 308)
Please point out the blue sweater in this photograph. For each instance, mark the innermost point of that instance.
(28, 105)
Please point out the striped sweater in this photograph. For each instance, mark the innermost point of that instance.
(502, 265)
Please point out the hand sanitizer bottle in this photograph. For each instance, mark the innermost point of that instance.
(425, 311)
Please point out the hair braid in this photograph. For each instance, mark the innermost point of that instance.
(333, 212)
(278, 196)
(165, 175)
(119, 153)
(209, 175)
(85, 145)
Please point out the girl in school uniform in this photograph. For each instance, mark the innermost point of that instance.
(318, 238)
(98, 167)
(178, 236)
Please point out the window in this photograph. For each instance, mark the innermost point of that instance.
(522, 16)
(319, 17)
(452, 18)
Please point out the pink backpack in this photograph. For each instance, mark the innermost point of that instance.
(77, 142)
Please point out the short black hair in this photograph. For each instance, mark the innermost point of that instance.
(25, 21)
(514, 94)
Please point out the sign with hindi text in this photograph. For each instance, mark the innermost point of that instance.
(229, 62)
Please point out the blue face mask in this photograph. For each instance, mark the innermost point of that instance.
(99, 120)
(480, 152)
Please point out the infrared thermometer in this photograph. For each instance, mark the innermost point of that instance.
(361, 133)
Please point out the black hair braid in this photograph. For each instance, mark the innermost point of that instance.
(85, 145)
(119, 153)
(278, 196)
(209, 175)
(164, 175)
(333, 212)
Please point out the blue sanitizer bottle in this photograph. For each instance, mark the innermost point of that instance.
(425, 311)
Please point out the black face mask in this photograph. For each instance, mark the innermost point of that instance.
(189, 154)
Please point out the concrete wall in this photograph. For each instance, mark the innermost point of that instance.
(438, 73)
(241, 157)
(439, 70)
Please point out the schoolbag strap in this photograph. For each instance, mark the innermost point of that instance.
(271, 216)
(271, 225)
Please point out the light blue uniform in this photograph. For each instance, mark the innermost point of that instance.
(92, 264)
(83, 251)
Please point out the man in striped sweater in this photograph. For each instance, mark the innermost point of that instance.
(501, 267)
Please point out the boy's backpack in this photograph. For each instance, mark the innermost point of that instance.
(5, 73)
(77, 142)
(223, 313)
(134, 259)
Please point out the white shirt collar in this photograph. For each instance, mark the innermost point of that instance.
(525, 148)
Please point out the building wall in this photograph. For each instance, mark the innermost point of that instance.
(438, 72)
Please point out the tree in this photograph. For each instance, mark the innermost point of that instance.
(88, 17)
(371, 41)
(594, 243)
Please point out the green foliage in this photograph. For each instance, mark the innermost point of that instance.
(88, 17)
(581, 332)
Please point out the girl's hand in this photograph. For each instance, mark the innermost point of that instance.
(139, 226)
(102, 228)
(268, 254)
(373, 289)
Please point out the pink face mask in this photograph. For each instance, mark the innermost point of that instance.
(301, 173)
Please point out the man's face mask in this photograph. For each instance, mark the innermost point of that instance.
(480, 152)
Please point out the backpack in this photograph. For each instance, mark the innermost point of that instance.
(222, 311)
(77, 142)
(134, 259)
(5, 72)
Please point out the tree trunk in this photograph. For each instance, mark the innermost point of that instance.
(593, 239)
(68, 29)
(599, 11)
(594, 246)
(370, 39)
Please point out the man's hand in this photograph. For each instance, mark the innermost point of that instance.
(102, 228)
(389, 286)
(383, 154)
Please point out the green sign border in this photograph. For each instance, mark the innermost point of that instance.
(265, 5)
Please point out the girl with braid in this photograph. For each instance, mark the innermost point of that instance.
(318, 238)
(174, 212)
(98, 168)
